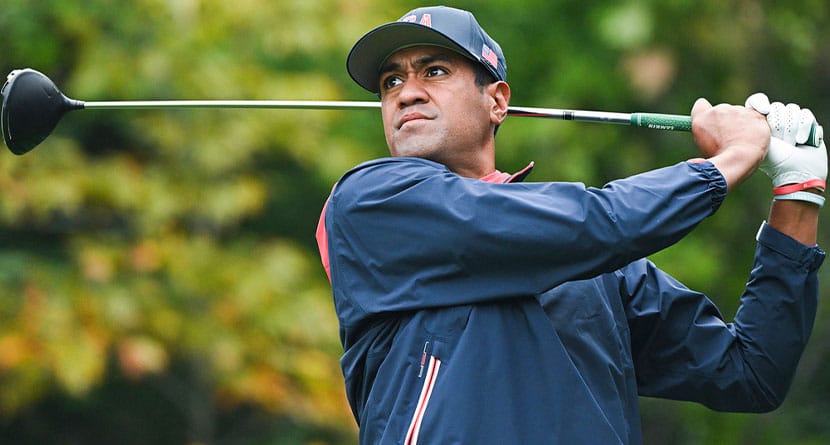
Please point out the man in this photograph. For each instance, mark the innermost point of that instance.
(477, 309)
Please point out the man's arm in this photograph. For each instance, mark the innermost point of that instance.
(687, 352)
(408, 234)
(684, 350)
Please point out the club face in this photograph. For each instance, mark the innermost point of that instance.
(32, 107)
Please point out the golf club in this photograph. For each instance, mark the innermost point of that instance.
(33, 105)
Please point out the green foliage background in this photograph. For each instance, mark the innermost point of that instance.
(159, 281)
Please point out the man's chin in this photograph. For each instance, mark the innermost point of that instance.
(418, 146)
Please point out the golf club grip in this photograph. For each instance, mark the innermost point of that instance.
(676, 122)
(656, 121)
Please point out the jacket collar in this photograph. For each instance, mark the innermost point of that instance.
(498, 177)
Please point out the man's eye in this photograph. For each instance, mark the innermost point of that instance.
(391, 82)
(435, 71)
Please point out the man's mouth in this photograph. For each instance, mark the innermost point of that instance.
(410, 117)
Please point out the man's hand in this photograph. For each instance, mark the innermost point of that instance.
(798, 171)
(733, 138)
(789, 160)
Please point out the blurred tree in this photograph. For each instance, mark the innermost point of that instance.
(159, 281)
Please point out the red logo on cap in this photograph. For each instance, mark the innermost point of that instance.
(490, 56)
(426, 19)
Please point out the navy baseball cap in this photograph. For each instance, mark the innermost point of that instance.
(442, 26)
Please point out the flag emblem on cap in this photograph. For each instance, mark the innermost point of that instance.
(490, 56)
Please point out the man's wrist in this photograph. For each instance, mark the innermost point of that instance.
(737, 162)
(796, 219)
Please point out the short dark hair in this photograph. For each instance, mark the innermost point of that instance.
(483, 76)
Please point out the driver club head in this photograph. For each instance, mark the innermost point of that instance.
(31, 109)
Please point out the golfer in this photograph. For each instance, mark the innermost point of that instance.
(478, 309)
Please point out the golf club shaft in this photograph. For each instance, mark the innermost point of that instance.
(649, 120)
(274, 104)
(594, 116)
(657, 121)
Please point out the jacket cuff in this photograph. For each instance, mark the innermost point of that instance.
(810, 257)
(717, 183)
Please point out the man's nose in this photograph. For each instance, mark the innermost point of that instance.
(412, 92)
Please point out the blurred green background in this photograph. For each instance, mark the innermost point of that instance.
(159, 279)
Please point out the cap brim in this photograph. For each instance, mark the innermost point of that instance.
(371, 51)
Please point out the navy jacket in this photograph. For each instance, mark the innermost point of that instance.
(477, 313)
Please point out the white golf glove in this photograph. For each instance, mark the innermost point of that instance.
(792, 165)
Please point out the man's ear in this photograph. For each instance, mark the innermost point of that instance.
(500, 92)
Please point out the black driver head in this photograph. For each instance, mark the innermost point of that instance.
(32, 107)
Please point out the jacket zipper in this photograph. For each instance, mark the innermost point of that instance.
(423, 399)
